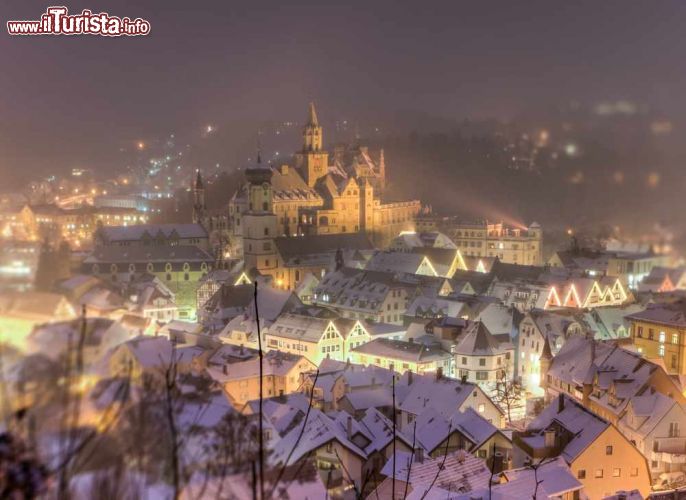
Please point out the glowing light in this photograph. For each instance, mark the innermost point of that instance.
(571, 149)
(653, 179)
(140, 145)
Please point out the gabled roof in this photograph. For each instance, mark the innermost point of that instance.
(433, 428)
(478, 341)
(318, 431)
(583, 425)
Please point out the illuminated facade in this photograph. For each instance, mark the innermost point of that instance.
(77, 226)
(510, 245)
(320, 194)
(179, 268)
(587, 293)
(659, 333)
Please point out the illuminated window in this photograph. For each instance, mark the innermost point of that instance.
(675, 338)
(661, 350)
(662, 336)
(598, 473)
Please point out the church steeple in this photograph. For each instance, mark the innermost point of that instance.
(312, 133)
(312, 161)
(312, 119)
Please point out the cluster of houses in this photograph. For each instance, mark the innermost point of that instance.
(412, 369)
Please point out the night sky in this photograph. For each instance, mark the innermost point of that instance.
(75, 101)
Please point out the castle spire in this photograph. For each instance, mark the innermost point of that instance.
(198, 181)
(312, 118)
(382, 167)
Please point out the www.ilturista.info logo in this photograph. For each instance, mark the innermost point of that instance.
(57, 21)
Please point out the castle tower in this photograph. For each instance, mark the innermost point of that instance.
(259, 222)
(199, 207)
(312, 161)
(382, 169)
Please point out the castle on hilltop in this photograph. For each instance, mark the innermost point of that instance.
(319, 193)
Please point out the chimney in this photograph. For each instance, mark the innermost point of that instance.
(549, 438)
(350, 427)
(463, 378)
(409, 377)
(419, 455)
(439, 373)
(560, 403)
(225, 369)
(592, 351)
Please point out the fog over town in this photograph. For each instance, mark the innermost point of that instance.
(392, 250)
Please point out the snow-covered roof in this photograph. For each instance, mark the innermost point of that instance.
(397, 262)
(457, 472)
(445, 395)
(423, 306)
(433, 428)
(318, 431)
(140, 231)
(583, 425)
(477, 340)
(414, 352)
(275, 363)
(554, 478)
